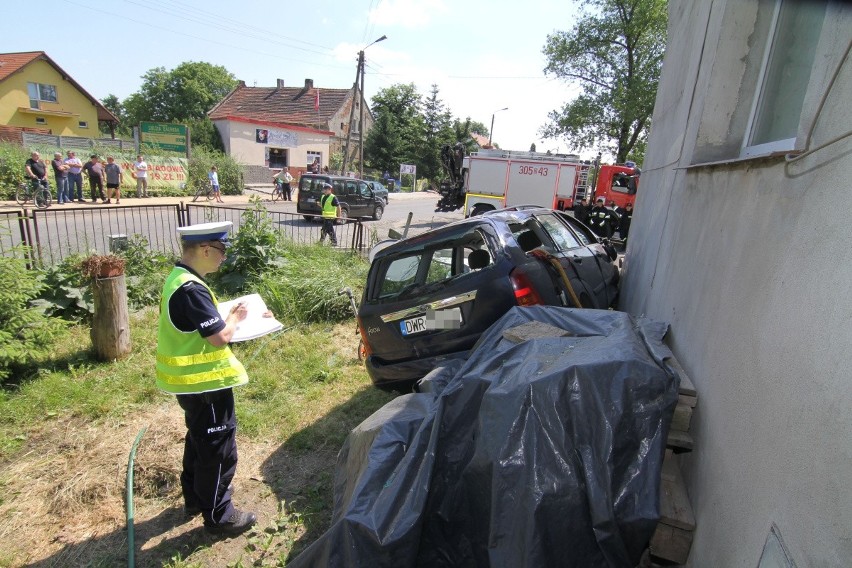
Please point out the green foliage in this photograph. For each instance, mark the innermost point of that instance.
(66, 293)
(304, 286)
(254, 249)
(437, 131)
(615, 52)
(12, 159)
(230, 172)
(145, 271)
(395, 137)
(25, 332)
(185, 93)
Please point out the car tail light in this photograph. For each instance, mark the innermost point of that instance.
(525, 292)
(363, 331)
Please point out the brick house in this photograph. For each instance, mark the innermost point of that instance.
(268, 128)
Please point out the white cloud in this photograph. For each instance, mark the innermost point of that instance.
(406, 13)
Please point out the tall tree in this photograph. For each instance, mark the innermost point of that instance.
(395, 135)
(184, 94)
(615, 52)
(437, 131)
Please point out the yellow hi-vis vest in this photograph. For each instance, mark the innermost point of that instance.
(328, 210)
(186, 362)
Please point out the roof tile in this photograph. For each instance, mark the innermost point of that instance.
(283, 105)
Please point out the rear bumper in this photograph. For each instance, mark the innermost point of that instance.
(402, 376)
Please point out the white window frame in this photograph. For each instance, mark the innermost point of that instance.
(36, 102)
(40, 120)
(83, 124)
(783, 145)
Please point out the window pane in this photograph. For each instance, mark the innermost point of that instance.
(441, 267)
(560, 234)
(47, 93)
(399, 274)
(788, 71)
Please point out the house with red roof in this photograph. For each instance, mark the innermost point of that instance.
(37, 95)
(289, 126)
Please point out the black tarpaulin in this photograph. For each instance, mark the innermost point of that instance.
(543, 452)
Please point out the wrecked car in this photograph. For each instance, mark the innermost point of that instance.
(429, 297)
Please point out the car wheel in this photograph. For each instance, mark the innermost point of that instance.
(308, 218)
(344, 214)
(377, 212)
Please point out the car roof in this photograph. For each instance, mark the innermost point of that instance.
(493, 218)
(331, 176)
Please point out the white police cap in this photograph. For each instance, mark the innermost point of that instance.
(206, 232)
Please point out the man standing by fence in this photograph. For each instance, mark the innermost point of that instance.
(75, 176)
(140, 169)
(60, 173)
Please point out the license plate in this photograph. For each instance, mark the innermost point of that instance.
(310, 200)
(432, 320)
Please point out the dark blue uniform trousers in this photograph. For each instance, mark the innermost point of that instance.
(210, 453)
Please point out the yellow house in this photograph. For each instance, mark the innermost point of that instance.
(36, 93)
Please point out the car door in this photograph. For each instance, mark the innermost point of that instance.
(579, 262)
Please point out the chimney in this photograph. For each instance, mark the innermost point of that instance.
(241, 84)
(280, 83)
(309, 84)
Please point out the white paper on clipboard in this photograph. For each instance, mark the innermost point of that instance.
(255, 325)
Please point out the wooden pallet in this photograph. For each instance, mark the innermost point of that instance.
(673, 538)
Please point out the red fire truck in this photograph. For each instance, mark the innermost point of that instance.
(493, 179)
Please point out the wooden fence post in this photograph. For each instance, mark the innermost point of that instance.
(111, 323)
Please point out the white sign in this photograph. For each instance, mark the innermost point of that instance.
(407, 169)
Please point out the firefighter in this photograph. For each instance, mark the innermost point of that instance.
(601, 219)
(581, 211)
(625, 216)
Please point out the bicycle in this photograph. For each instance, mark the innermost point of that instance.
(40, 196)
(205, 190)
(278, 192)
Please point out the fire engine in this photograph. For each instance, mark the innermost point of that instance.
(493, 179)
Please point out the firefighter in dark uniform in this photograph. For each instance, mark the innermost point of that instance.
(195, 363)
(581, 211)
(601, 219)
(625, 216)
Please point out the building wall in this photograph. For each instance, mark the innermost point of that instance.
(14, 95)
(749, 262)
(240, 140)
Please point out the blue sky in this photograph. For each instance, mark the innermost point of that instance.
(483, 55)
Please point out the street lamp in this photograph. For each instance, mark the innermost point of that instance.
(491, 132)
(359, 73)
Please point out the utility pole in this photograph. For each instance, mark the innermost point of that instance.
(352, 111)
(359, 74)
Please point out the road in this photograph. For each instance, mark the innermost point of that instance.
(83, 228)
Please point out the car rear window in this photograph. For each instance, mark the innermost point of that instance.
(420, 272)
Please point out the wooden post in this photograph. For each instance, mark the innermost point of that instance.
(111, 322)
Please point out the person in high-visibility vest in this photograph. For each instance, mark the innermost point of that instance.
(195, 364)
(330, 213)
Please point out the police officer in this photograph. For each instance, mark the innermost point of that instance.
(601, 219)
(330, 213)
(195, 363)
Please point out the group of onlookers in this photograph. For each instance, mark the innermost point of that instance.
(605, 221)
(68, 174)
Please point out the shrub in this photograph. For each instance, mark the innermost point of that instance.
(145, 271)
(26, 333)
(304, 286)
(255, 248)
(230, 172)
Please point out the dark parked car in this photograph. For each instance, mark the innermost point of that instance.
(431, 296)
(354, 195)
(379, 190)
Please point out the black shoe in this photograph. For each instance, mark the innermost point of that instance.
(239, 522)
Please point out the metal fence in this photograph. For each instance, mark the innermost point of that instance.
(56, 233)
(75, 142)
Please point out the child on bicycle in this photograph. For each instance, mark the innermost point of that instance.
(213, 176)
